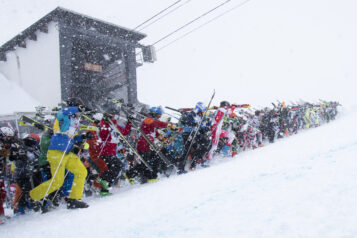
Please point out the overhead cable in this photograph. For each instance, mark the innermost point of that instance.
(157, 14)
(206, 23)
(168, 13)
(192, 21)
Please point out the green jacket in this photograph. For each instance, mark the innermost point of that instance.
(44, 144)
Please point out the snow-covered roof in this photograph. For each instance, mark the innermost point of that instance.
(73, 19)
(14, 99)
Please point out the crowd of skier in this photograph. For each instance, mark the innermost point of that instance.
(82, 151)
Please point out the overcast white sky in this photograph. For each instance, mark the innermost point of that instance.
(257, 53)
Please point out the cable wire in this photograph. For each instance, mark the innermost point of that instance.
(206, 23)
(192, 21)
(157, 14)
(168, 13)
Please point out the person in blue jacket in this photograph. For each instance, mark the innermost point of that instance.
(60, 158)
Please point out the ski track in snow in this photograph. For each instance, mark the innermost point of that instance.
(300, 186)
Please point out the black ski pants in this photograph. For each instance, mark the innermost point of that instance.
(140, 169)
(114, 166)
(198, 150)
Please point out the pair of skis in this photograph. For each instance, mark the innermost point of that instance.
(28, 120)
(153, 147)
(137, 128)
(128, 143)
(193, 134)
(170, 166)
(182, 110)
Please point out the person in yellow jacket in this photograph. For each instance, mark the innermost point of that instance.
(60, 157)
(307, 118)
(311, 119)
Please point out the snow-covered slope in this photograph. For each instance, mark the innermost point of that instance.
(301, 186)
(14, 99)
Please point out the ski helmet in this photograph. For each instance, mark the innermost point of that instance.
(112, 110)
(74, 102)
(35, 136)
(98, 116)
(7, 131)
(224, 104)
(200, 107)
(155, 110)
(31, 140)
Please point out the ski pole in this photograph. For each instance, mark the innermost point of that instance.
(197, 129)
(59, 164)
(131, 147)
(170, 140)
(172, 115)
(173, 109)
(103, 145)
(152, 145)
(54, 196)
(7, 184)
(88, 118)
(65, 176)
(122, 104)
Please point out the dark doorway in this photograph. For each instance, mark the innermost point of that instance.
(98, 72)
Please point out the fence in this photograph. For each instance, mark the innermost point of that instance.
(12, 121)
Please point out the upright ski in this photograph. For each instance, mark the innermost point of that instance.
(192, 137)
(130, 146)
(152, 145)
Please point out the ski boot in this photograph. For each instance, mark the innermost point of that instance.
(181, 171)
(102, 182)
(225, 150)
(153, 180)
(20, 210)
(104, 193)
(75, 203)
(46, 206)
(203, 163)
(88, 193)
(55, 199)
(35, 205)
(131, 180)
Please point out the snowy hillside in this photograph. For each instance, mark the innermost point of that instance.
(257, 52)
(14, 99)
(301, 186)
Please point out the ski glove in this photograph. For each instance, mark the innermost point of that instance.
(172, 127)
(130, 117)
(88, 136)
(39, 126)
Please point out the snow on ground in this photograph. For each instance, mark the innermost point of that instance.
(301, 186)
(14, 99)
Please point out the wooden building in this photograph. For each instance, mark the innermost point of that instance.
(66, 54)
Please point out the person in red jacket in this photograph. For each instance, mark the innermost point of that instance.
(2, 198)
(108, 153)
(149, 126)
(224, 110)
(6, 139)
(94, 152)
